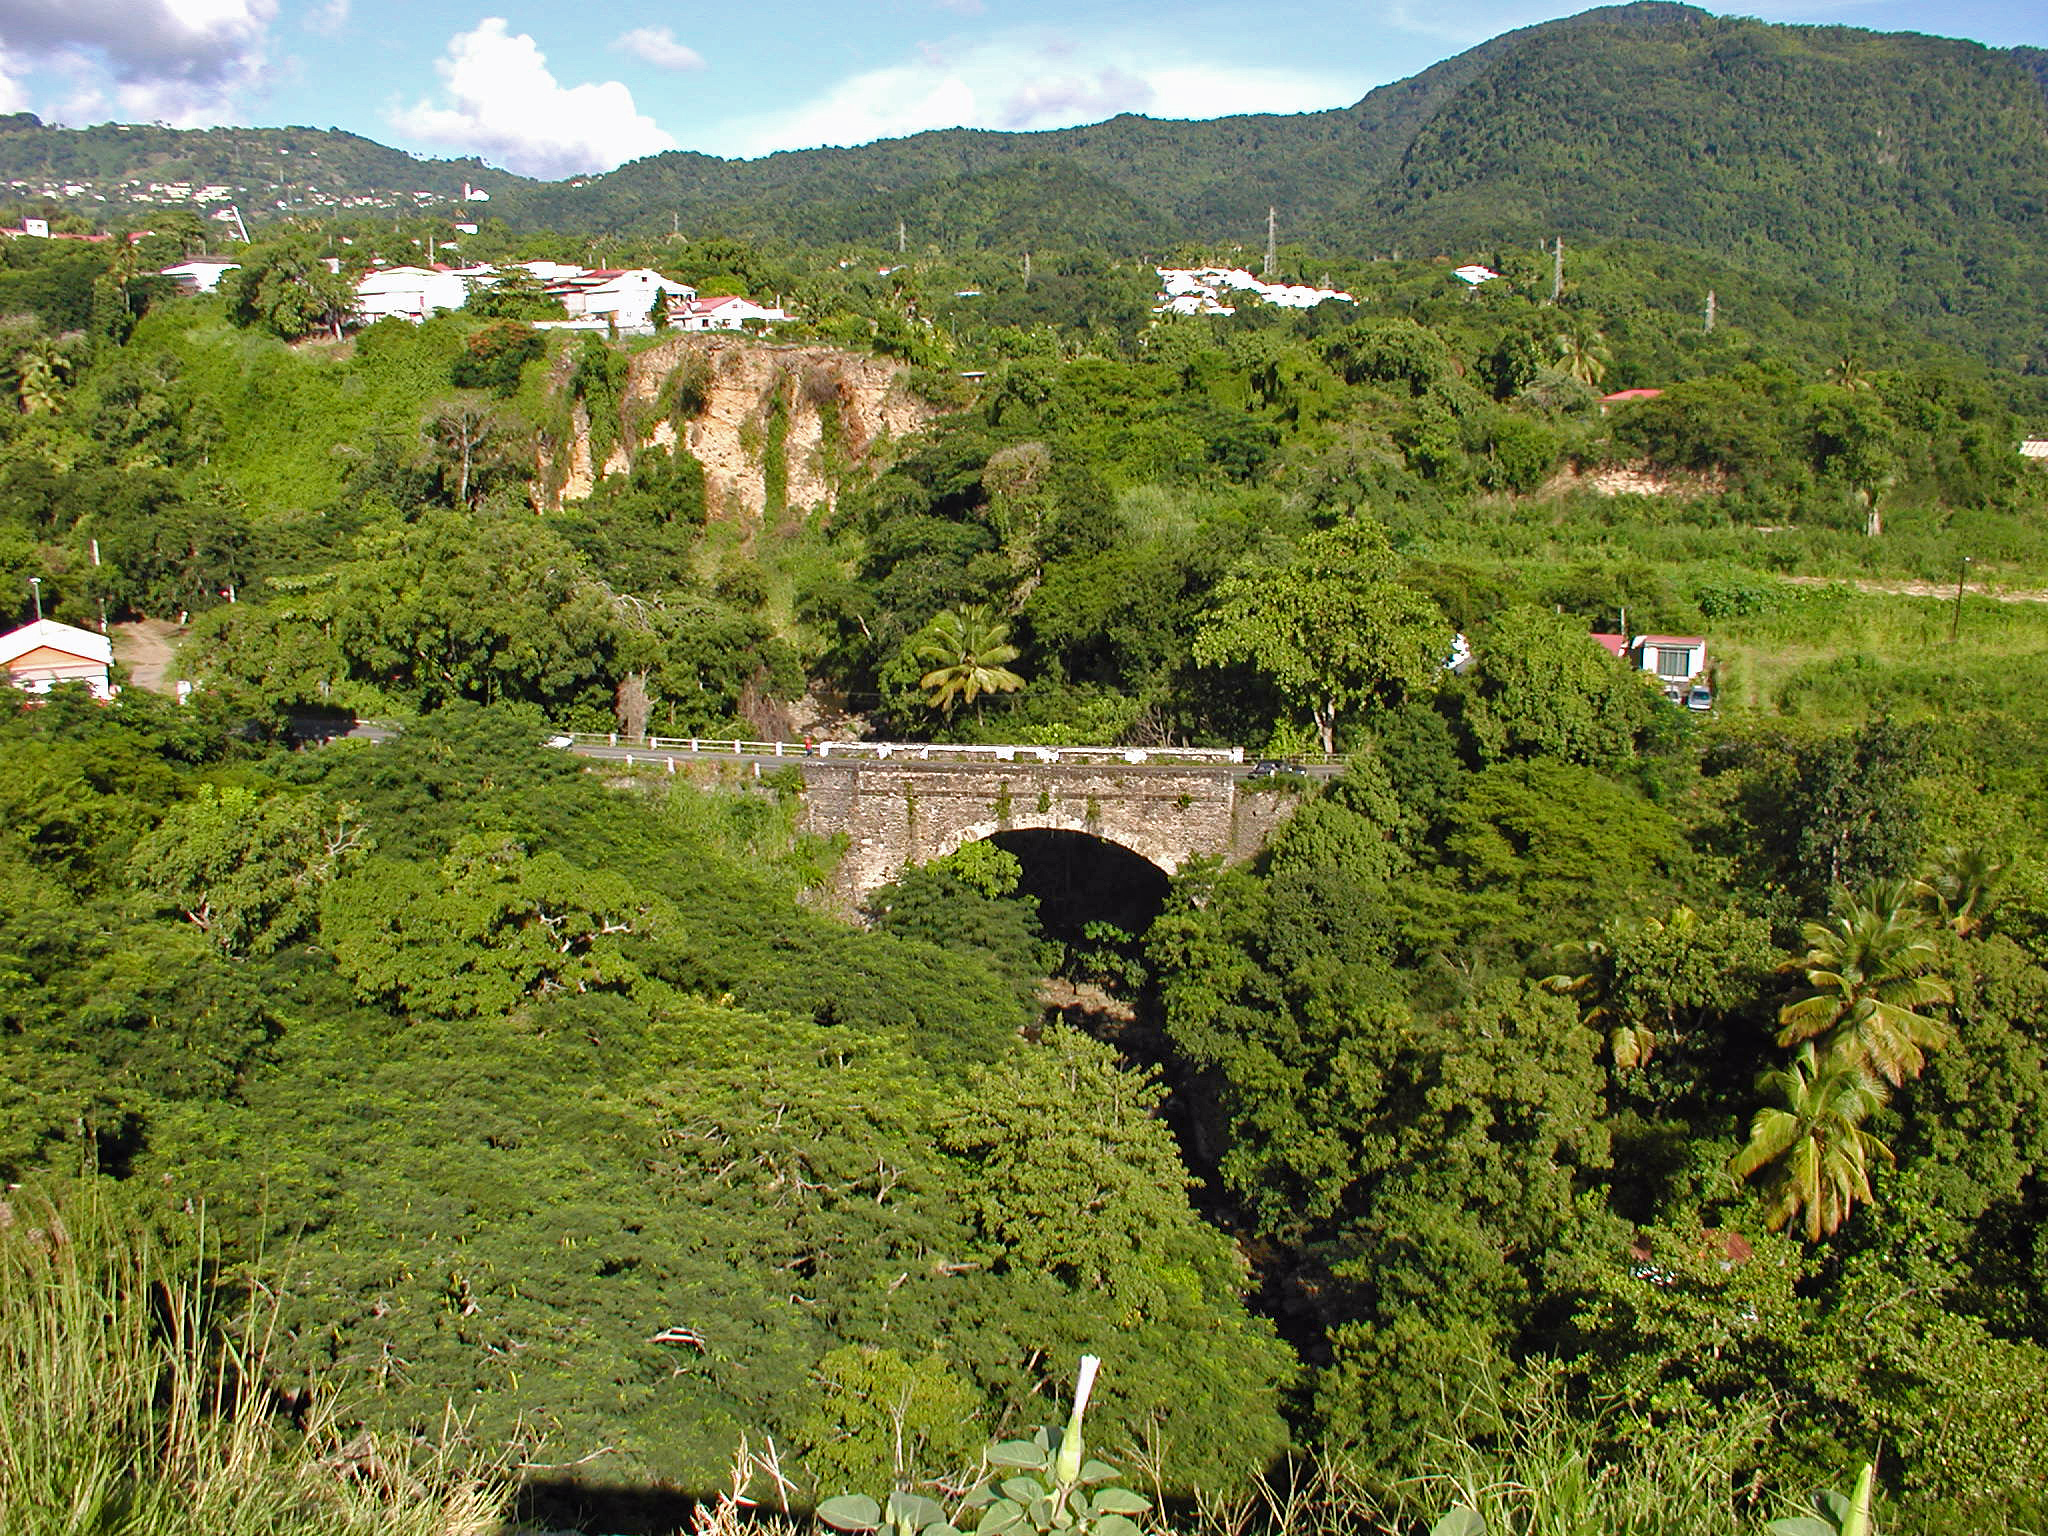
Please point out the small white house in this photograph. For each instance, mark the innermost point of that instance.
(38, 656)
(202, 274)
(1676, 659)
(722, 314)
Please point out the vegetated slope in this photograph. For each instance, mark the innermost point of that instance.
(1176, 180)
(1903, 172)
(276, 169)
(1024, 202)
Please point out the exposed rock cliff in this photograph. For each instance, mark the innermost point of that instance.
(778, 428)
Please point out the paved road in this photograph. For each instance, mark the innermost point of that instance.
(769, 762)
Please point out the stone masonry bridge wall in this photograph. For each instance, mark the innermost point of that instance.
(896, 814)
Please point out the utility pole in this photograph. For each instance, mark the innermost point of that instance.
(1710, 311)
(35, 585)
(1027, 271)
(1955, 623)
(1557, 270)
(1272, 241)
(899, 237)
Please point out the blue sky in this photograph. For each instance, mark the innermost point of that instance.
(553, 89)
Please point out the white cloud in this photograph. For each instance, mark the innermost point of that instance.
(12, 97)
(658, 46)
(502, 102)
(326, 19)
(185, 61)
(961, 7)
(1018, 82)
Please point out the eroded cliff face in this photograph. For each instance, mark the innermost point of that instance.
(779, 431)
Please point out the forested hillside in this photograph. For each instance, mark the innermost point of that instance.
(1592, 1110)
(1899, 172)
(269, 171)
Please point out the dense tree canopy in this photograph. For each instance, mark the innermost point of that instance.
(1671, 1077)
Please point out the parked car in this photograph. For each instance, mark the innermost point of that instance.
(1701, 698)
(561, 741)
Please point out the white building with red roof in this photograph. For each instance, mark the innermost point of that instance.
(41, 655)
(1676, 661)
(722, 314)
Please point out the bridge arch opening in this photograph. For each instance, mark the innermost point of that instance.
(1079, 878)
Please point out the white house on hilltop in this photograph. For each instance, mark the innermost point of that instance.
(622, 298)
(38, 656)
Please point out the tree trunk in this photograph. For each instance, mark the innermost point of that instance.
(1326, 725)
(631, 707)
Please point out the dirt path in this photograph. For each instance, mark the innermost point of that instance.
(145, 649)
(1922, 589)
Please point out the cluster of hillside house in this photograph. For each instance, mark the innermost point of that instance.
(622, 300)
(1203, 291)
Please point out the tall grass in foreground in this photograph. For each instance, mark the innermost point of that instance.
(1527, 1466)
(130, 1407)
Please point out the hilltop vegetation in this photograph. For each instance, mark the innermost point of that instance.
(271, 170)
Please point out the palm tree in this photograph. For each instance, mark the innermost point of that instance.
(1610, 992)
(41, 371)
(1588, 977)
(1869, 967)
(1583, 351)
(1815, 1145)
(1848, 372)
(1962, 886)
(972, 652)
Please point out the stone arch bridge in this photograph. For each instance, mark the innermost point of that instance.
(905, 809)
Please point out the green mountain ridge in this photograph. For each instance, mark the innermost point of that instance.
(278, 170)
(1901, 172)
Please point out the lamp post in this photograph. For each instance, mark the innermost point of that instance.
(1955, 623)
(35, 585)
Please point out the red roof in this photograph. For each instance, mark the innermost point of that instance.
(1623, 396)
(1618, 644)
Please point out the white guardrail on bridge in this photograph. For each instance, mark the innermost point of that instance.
(898, 751)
